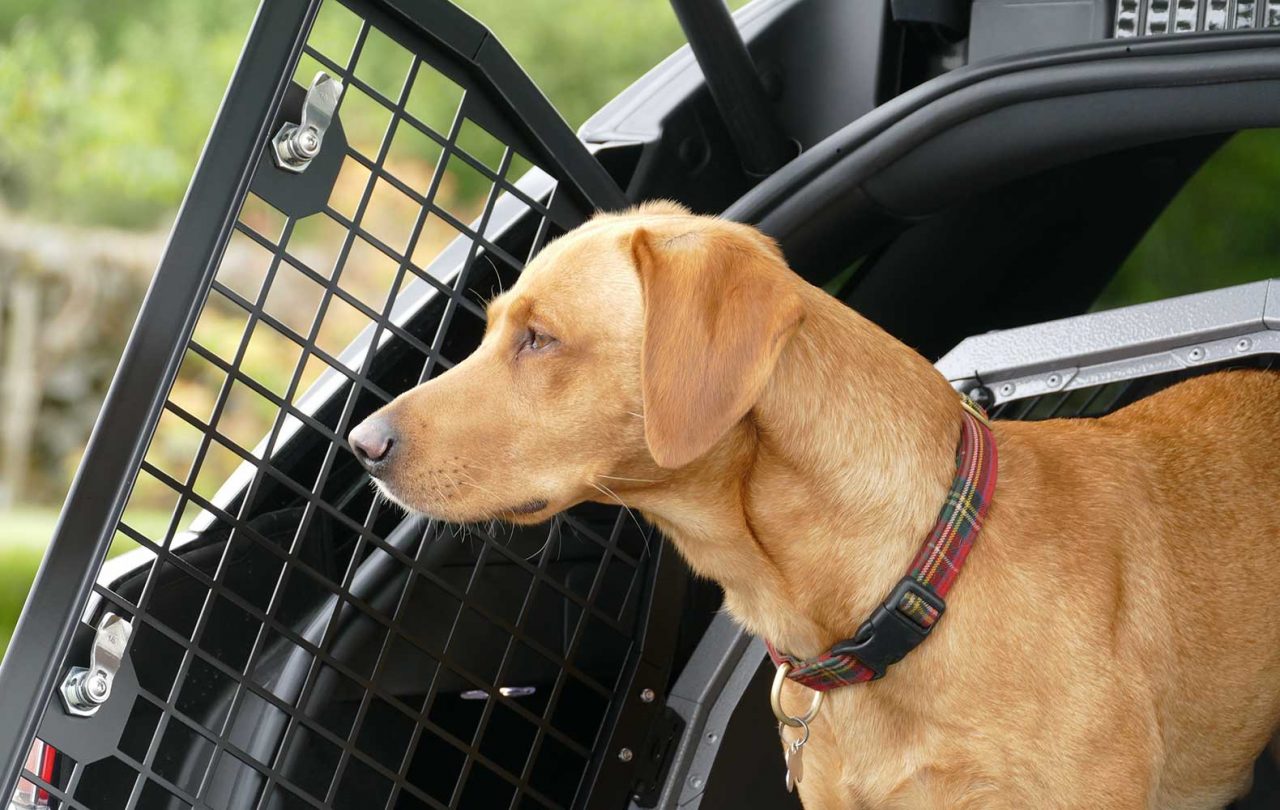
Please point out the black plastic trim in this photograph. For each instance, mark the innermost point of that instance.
(846, 161)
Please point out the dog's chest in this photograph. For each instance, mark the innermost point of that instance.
(866, 755)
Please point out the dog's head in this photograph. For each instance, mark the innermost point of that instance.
(629, 347)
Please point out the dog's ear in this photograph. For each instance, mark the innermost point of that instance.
(718, 310)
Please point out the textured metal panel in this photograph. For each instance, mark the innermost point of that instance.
(1246, 13)
(1187, 15)
(1215, 18)
(1157, 17)
(1127, 14)
(1159, 336)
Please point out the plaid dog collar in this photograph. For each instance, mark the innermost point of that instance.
(905, 619)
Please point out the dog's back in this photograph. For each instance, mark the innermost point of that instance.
(1217, 441)
(1170, 528)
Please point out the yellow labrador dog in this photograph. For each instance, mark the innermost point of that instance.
(1113, 640)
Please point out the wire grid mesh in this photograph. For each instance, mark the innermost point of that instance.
(298, 643)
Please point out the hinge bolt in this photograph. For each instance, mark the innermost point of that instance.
(98, 687)
(308, 143)
(626, 755)
(296, 145)
(85, 689)
(647, 695)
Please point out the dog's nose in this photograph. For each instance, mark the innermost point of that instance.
(371, 441)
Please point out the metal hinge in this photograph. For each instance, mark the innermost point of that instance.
(296, 145)
(654, 759)
(85, 689)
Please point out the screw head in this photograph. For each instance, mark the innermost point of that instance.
(1243, 344)
(308, 142)
(647, 695)
(97, 686)
(696, 782)
(626, 755)
(1006, 389)
(713, 738)
(1196, 355)
(1054, 380)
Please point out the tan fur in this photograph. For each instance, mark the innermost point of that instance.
(1112, 641)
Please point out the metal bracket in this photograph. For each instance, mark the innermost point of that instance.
(84, 690)
(656, 756)
(1133, 342)
(295, 145)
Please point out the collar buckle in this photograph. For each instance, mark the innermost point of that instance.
(893, 630)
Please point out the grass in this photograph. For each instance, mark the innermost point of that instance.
(24, 535)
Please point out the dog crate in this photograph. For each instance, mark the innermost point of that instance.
(228, 619)
(274, 636)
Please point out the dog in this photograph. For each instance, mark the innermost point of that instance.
(1112, 640)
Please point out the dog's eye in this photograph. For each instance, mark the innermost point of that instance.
(537, 341)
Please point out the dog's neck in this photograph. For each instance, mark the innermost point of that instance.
(814, 507)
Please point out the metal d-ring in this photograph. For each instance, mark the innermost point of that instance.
(775, 701)
(804, 738)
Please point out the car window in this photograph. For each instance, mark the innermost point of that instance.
(1222, 229)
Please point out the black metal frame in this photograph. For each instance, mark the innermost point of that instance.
(150, 361)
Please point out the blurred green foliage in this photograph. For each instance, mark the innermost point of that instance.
(1222, 229)
(103, 112)
(106, 105)
(23, 533)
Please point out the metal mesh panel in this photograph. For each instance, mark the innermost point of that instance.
(297, 642)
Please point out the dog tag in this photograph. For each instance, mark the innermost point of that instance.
(795, 764)
(793, 756)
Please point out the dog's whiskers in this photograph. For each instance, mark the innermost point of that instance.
(603, 490)
(555, 531)
(476, 486)
(551, 532)
(624, 478)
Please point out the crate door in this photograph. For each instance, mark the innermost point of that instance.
(294, 642)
